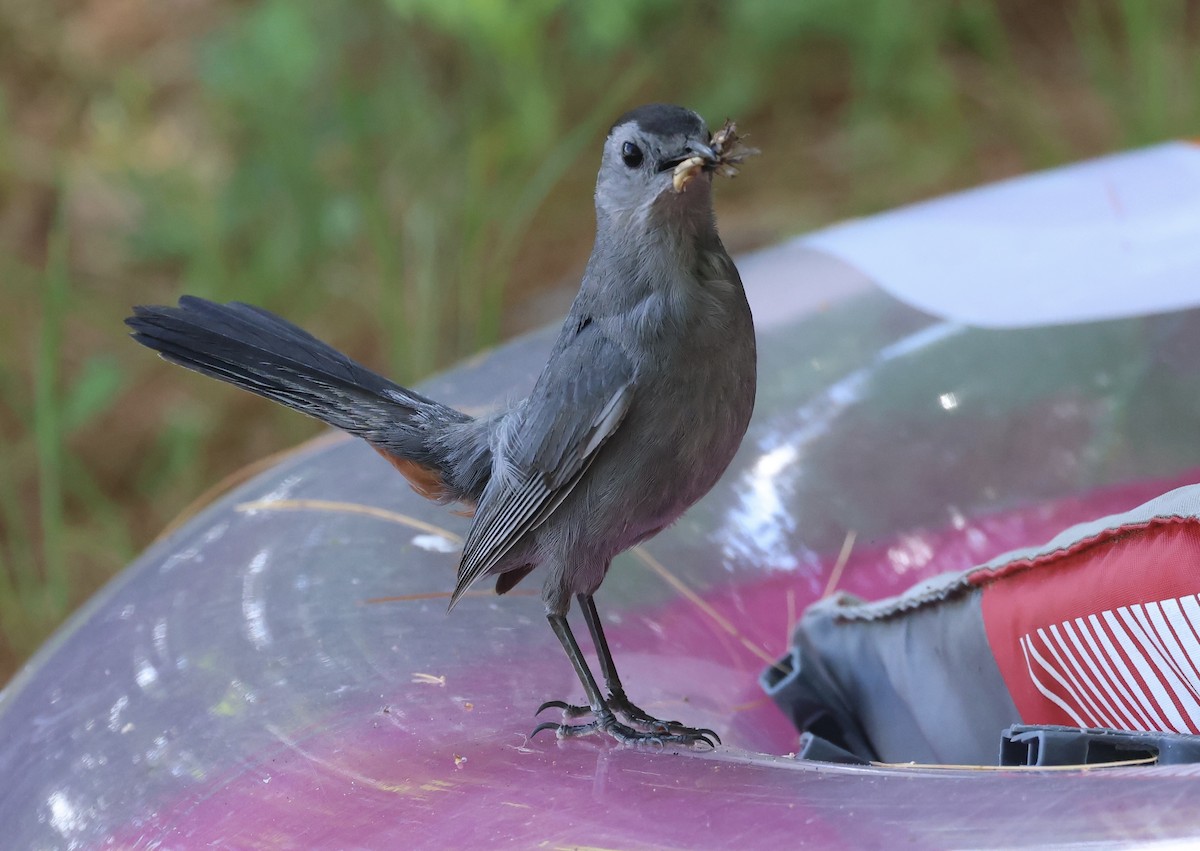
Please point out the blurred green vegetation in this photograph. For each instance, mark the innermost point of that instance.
(408, 178)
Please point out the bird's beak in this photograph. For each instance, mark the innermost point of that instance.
(696, 157)
(701, 150)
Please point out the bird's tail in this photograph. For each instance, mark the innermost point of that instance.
(260, 352)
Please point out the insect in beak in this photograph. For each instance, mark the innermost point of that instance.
(724, 153)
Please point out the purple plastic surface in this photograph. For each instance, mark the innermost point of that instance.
(246, 684)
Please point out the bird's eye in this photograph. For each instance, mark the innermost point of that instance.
(631, 154)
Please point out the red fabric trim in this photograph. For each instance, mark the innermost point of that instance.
(1104, 627)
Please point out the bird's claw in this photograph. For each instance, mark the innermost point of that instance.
(637, 715)
(606, 722)
(629, 736)
(634, 714)
(569, 710)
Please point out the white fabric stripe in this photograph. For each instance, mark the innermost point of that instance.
(1101, 681)
(1187, 611)
(1126, 629)
(1027, 649)
(1191, 609)
(1165, 647)
(1098, 681)
(1131, 667)
(1135, 711)
(1056, 672)
(1178, 657)
(1143, 614)
(1169, 669)
(1145, 703)
(1075, 674)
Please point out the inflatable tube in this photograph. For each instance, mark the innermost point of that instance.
(281, 670)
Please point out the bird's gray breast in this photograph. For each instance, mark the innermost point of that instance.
(694, 392)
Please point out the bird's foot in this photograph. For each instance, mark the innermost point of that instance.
(658, 729)
(606, 722)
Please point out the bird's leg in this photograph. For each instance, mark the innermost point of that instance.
(604, 720)
(618, 701)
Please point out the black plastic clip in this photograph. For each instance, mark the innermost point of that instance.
(1028, 745)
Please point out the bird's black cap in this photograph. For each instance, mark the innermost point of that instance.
(663, 119)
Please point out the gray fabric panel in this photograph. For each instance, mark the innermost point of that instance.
(924, 686)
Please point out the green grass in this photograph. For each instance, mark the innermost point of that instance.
(400, 176)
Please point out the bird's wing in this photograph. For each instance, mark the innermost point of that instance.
(576, 406)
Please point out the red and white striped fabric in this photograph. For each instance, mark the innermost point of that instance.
(1132, 668)
(1104, 632)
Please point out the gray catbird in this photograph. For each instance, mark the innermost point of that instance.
(641, 406)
